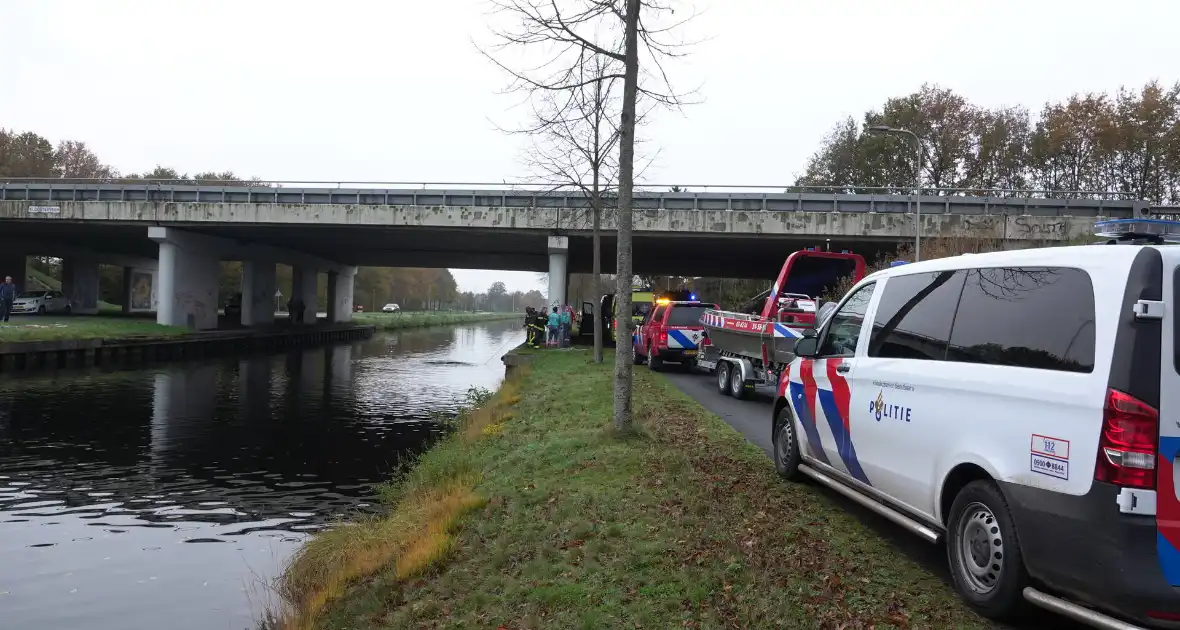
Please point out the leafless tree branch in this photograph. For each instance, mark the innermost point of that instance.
(582, 130)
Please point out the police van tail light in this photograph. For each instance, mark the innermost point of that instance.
(662, 340)
(1127, 446)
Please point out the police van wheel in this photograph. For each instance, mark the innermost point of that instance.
(723, 377)
(737, 384)
(984, 552)
(786, 446)
(636, 358)
(654, 363)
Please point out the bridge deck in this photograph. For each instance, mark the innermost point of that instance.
(43, 192)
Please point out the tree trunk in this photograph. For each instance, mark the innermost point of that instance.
(596, 208)
(623, 346)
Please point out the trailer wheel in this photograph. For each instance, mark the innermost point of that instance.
(723, 377)
(737, 384)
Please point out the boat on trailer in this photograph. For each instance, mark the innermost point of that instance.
(752, 347)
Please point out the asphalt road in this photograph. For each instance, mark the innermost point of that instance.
(751, 418)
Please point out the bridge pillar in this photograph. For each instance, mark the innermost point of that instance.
(303, 287)
(559, 252)
(189, 276)
(15, 265)
(258, 293)
(340, 288)
(79, 283)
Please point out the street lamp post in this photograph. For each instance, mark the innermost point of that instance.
(917, 180)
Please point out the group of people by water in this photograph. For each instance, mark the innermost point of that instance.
(549, 329)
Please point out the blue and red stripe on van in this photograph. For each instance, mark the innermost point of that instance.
(803, 397)
(835, 404)
(1167, 510)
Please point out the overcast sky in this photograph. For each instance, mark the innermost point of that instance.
(396, 91)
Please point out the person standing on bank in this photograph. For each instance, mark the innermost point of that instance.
(295, 308)
(566, 325)
(554, 328)
(7, 294)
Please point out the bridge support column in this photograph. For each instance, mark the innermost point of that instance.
(189, 276)
(303, 288)
(340, 288)
(15, 265)
(559, 252)
(258, 293)
(79, 283)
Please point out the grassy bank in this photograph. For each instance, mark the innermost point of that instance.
(423, 319)
(48, 328)
(539, 516)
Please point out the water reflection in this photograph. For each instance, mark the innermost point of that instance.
(158, 498)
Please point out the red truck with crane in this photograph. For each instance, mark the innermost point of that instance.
(752, 347)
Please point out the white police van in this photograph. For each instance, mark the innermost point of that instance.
(1022, 405)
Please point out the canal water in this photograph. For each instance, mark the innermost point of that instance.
(169, 497)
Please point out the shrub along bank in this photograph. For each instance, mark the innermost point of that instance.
(424, 319)
(536, 515)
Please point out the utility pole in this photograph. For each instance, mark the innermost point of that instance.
(917, 186)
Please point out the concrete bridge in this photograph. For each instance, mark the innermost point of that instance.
(172, 236)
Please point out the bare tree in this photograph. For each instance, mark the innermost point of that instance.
(597, 43)
(574, 139)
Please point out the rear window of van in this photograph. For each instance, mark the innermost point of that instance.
(1034, 317)
(686, 315)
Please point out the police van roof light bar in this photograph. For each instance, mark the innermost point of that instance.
(1138, 231)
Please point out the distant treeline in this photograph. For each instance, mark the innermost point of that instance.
(1128, 142)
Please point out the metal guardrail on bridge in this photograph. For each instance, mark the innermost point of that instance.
(739, 198)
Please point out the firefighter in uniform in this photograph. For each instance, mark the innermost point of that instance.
(528, 325)
(535, 331)
(540, 322)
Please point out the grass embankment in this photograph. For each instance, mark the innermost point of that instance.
(424, 319)
(49, 328)
(682, 524)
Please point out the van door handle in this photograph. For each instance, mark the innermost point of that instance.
(843, 368)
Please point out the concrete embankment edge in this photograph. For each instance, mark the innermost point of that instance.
(28, 356)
